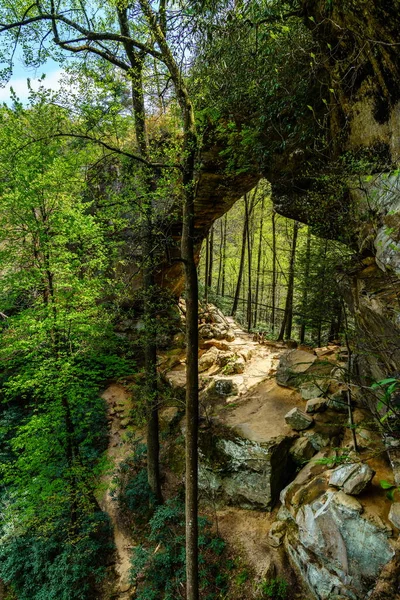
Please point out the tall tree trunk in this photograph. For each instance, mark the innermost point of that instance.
(322, 288)
(288, 315)
(241, 264)
(192, 393)
(273, 287)
(224, 256)
(206, 276)
(305, 290)
(221, 245)
(210, 257)
(150, 350)
(249, 256)
(259, 262)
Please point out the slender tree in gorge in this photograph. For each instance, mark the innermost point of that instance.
(286, 327)
(221, 245)
(259, 254)
(241, 263)
(210, 257)
(249, 260)
(273, 285)
(207, 266)
(305, 288)
(224, 255)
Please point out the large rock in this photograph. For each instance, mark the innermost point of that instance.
(298, 420)
(208, 359)
(335, 548)
(315, 405)
(292, 365)
(237, 471)
(302, 451)
(314, 389)
(394, 514)
(352, 478)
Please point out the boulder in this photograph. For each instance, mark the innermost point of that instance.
(315, 405)
(313, 389)
(225, 387)
(291, 365)
(298, 420)
(230, 336)
(394, 514)
(302, 450)
(277, 533)
(220, 344)
(352, 478)
(235, 364)
(237, 471)
(208, 359)
(335, 548)
(338, 401)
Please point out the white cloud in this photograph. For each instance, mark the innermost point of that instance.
(20, 85)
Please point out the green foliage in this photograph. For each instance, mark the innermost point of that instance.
(54, 567)
(276, 589)
(135, 497)
(158, 566)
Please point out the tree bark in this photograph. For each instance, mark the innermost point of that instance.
(224, 256)
(206, 276)
(305, 290)
(210, 258)
(273, 287)
(259, 262)
(241, 264)
(286, 326)
(249, 257)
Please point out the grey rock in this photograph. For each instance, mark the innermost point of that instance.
(353, 478)
(338, 402)
(237, 471)
(298, 420)
(337, 550)
(208, 359)
(394, 514)
(315, 389)
(293, 364)
(277, 533)
(319, 440)
(315, 405)
(225, 387)
(302, 450)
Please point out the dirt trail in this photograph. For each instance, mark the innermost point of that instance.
(119, 405)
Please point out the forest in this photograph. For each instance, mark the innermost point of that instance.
(199, 300)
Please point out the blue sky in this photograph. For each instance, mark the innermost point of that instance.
(21, 73)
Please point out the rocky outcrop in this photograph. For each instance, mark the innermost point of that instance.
(337, 543)
(237, 471)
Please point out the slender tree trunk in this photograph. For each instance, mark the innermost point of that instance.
(224, 256)
(288, 315)
(258, 262)
(211, 253)
(206, 276)
(192, 394)
(241, 264)
(221, 244)
(150, 349)
(305, 290)
(322, 288)
(249, 257)
(273, 287)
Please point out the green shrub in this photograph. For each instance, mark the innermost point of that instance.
(275, 589)
(57, 568)
(158, 566)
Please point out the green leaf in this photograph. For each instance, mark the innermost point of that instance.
(386, 485)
